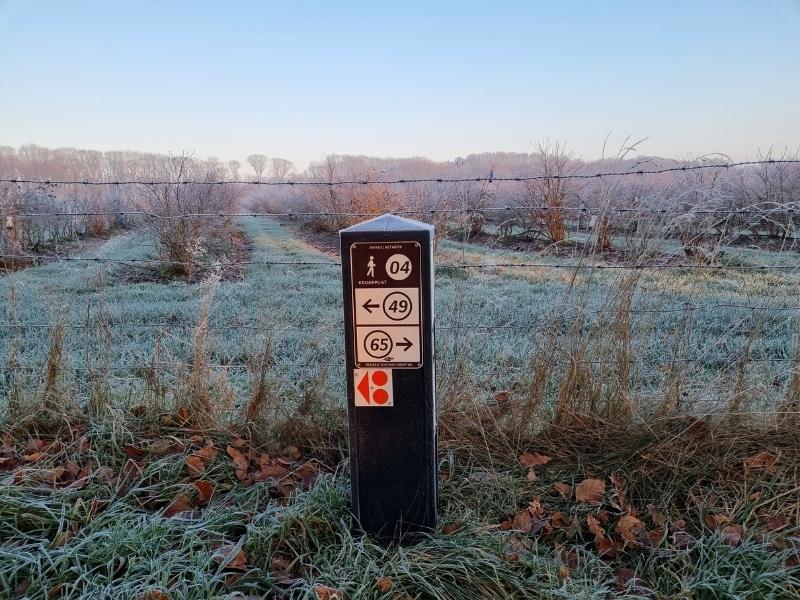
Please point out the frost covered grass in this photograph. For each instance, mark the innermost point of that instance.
(118, 534)
(597, 369)
(490, 321)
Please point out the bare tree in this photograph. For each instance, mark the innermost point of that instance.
(233, 168)
(259, 163)
(280, 168)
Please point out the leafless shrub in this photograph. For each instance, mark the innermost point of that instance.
(180, 234)
(345, 204)
(548, 195)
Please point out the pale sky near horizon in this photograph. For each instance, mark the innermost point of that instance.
(412, 78)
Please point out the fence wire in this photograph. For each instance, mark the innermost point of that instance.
(764, 210)
(486, 179)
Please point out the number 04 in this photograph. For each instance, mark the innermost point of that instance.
(398, 266)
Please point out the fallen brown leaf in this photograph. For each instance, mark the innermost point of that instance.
(565, 489)
(205, 489)
(590, 490)
(559, 520)
(271, 472)
(35, 445)
(451, 528)
(384, 584)
(233, 557)
(522, 521)
(49, 476)
(154, 595)
(7, 463)
(195, 466)
(718, 520)
(240, 460)
(134, 451)
(631, 529)
(183, 415)
(79, 483)
(732, 534)
(763, 461)
(33, 457)
(293, 452)
(307, 473)
(656, 536)
(324, 592)
(658, 519)
(535, 507)
(531, 476)
(595, 528)
(73, 468)
(608, 547)
(564, 572)
(181, 503)
(501, 396)
(568, 556)
(286, 487)
(206, 453)
(775, 521)
(533, 459)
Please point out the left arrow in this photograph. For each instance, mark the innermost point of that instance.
(368, 307)
(363, 386)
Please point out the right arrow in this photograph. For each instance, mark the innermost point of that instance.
(405, 344)
(368, 307)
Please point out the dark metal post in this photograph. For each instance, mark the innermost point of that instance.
(387, 272)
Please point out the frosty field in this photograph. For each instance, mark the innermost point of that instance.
(663, 386)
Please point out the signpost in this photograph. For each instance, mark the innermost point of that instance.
(387, 272)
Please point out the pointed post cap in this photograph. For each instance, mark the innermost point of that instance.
(389, 222)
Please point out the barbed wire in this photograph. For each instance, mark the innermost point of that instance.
(155, 261)
(773, 208)
(633, 267)
(38, 259)
(487, 179)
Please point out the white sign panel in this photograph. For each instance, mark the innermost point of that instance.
(387, 301)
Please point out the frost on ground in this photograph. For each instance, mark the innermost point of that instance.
(601, 434)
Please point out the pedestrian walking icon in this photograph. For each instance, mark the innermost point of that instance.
(371, 267)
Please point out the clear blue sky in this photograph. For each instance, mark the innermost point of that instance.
(440, 79)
